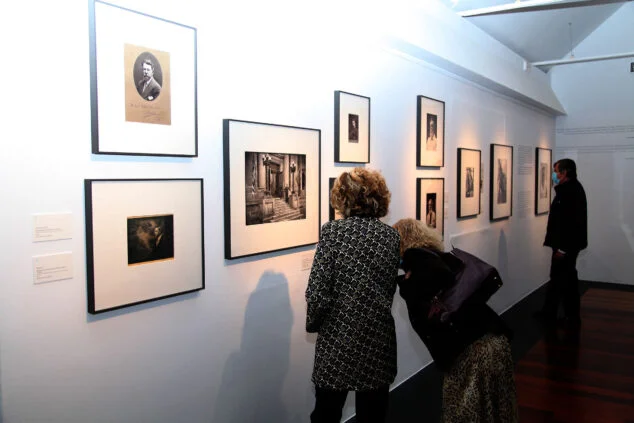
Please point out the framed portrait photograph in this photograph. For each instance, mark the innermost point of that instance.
(468, 182)
(271, 187)
(430, 203)
(501, 182)
(543, 172)
(352, 128)
(430, 132)
(142, 84)
(144, 240)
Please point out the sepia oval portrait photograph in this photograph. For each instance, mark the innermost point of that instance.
(148, 76)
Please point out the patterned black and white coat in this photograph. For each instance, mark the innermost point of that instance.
(349, 297)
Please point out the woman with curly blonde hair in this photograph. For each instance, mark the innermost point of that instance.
(472, 349)
(349, 301)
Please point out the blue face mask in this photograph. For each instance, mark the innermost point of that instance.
(555, 178)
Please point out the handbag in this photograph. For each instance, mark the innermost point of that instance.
(475, 282)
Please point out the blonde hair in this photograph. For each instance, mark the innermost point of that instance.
(416, 234)
(360, 192)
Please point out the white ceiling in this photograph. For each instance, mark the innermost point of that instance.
(538, 35)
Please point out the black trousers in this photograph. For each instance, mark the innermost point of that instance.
(371, 406)
(563, 287)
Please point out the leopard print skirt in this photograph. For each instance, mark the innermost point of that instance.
(480, 386)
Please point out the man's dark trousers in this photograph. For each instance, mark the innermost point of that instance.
(563, 287)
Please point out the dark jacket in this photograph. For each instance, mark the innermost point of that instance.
(349, 304)
(567, 228)
(444, 340)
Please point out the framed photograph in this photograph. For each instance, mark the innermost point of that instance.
(468, 182)
(271, 187)
(144, 240)
(142, 84)
(543, 171)
(430, 203)
(430, 132)
(501, 182)
(352, 128)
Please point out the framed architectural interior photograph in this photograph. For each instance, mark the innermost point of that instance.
(271, 187)
(501, 182)
(142, 84)
(543, 171)
(468, 182)
(430, 203)
(430, 132)
(144, 240)
(352, 128)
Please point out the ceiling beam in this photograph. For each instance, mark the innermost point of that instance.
(582, 59)
(534, 6)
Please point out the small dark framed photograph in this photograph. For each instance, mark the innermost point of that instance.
(430, 203)
(430, 132)
(543, 172)
(352, 128)
(469, 186)
(142, 83)
(271, 187)
(501, 182)
(144, 240)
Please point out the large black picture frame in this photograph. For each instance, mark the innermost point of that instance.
(134, 113)
(144, 240)
(543, 186)
(430, 132)
(432, 214)
(468, 182)
(269, 204)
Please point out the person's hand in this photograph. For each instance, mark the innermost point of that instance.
(559, 255)
(408, 274)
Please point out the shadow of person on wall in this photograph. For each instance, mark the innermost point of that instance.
(253, 377)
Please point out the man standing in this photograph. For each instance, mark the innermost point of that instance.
(567, 235)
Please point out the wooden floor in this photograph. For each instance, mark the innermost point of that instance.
(586, 375)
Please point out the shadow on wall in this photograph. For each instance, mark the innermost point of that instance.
(253, 377)
(503, 256)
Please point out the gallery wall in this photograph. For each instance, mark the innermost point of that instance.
(237, 350)
(598, 133)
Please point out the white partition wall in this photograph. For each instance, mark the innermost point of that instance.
(236, 351)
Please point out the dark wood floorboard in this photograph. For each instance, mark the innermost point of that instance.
(585, 375)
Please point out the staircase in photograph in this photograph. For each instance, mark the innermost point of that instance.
(282, 211)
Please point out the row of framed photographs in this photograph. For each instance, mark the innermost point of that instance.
(145, 237)
(144, 94)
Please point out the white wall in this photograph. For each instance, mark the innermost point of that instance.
(599, 134)
(237, 351)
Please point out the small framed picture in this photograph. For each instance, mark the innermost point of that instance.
(144, 240)
(143, 84)
(430, 203)
(468, 182)
(271, 187)
(543, 171)
(501, 183)
(430, 132)
(352, 128)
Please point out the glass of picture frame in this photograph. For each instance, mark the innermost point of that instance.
(352, 128)
(430, 203)
(271, 187)
(468, 180)
(143, 84)
(543, 171)
(144, 240)
(430, 132)
(501, 182)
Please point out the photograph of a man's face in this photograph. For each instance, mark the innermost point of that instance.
(432, 132)
(470, 187)
(430, 217)
(150, 238)
(353, 128)
(148, 76)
